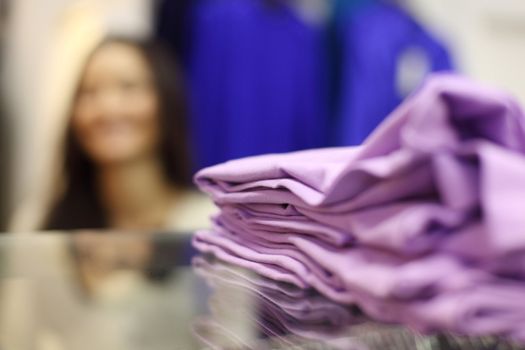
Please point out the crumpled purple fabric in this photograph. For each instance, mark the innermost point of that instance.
(428, 207)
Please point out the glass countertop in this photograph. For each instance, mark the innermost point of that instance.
(114, 290)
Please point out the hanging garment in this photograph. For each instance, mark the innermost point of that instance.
(257, 80)
(427, 210)
(385, 54)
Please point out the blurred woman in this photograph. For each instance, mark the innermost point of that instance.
(126, 162)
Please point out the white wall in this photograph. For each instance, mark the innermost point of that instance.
(486, 36)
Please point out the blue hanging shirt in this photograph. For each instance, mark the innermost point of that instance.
(257, 80)
(382, 48)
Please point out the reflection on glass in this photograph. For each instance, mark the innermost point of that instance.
(277, 315)
(113, 291)
(97, 291)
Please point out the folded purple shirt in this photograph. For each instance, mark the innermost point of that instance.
(344, 275)
(425, 212)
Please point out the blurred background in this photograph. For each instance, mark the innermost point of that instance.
(254, 76)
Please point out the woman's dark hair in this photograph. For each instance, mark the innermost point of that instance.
(79, 205)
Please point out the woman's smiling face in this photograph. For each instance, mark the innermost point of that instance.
(115, 115)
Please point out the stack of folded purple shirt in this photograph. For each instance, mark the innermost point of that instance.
(423, 224)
